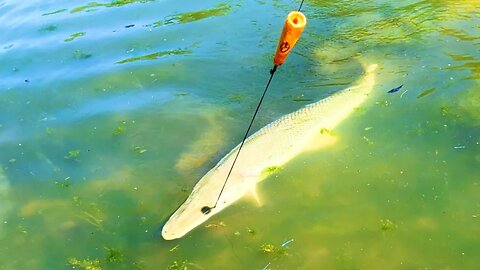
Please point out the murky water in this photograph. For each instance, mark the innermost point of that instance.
(111, 111)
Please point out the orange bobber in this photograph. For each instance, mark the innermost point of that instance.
(293, 28)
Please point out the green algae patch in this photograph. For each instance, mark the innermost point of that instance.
(220, 10)
(119, 3)
(155, 56)
(74, 36)
(120, 129)
(270, 170)
(86, 264)
(273, 250)
(387, 225)
(113, 255)
(187, 17)
(72, 154)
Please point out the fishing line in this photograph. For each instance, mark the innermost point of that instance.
(290, 34)
(300, 7)
(207, 209)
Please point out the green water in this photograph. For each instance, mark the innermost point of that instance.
(110, 112)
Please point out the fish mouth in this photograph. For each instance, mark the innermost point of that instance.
(168, 236)
(168, 233)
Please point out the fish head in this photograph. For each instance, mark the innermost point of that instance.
(196, 209)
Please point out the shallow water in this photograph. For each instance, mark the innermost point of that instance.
(111, 111)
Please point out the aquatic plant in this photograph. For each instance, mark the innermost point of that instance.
(387, 224)
(72, 154)
(74, 36)
(113, 255)
(273, 250)
(120, 129)
(187, 17)
(118, 3)
(426, 92)
(154, 56)
(86, 264)
(271, 170)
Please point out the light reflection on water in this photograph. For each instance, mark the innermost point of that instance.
(96, 155)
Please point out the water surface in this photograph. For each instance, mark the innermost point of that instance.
(111, 111)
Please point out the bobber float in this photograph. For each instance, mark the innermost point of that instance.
(292, 30)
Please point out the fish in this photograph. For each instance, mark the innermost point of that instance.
(270, 147)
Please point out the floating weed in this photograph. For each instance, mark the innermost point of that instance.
(219, 10)
(155, 56)
(113, 255)
(216, 225)
(72, 154)
(86, 264)
(120, 129)
(273, 250)
(426, 92)
(267, 248)
(325, 131)
(271, 170)
(116, 3)
(54, 12)
(387, 225)
(74, 36)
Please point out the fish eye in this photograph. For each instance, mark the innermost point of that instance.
(206, 210)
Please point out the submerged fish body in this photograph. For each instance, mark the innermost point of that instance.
(271, 146)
